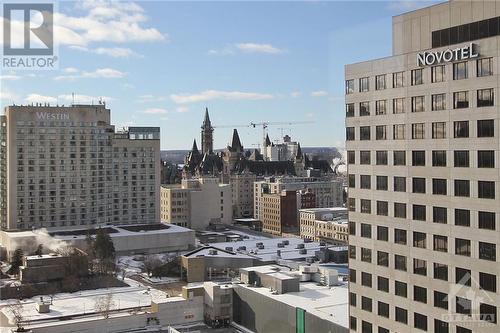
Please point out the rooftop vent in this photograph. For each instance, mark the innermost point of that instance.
(212, 252)
(302, 251)
(229, 248)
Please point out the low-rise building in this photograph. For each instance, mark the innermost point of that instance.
(197, 203)
(279, 213)
(324, 224)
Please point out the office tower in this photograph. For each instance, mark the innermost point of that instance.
(423, 148)
(67, 168)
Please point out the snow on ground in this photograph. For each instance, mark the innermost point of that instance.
(164, 279)
(249, 235)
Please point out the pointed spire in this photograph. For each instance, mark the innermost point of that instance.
(299, 152)
(268, 142)
(195, 146)
(236, 143)
(206, 121)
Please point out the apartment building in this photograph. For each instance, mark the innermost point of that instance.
(279, 212)
(67, 168)
(196, 202)
(422, 131)
(324, 224)
(242, 194)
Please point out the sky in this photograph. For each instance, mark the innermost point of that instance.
(159, 63)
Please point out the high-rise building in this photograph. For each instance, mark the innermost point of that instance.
(67, 168)
(279, 213)
(423, 149)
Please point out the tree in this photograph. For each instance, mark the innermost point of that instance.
(16, 309)
(151, 264)
(104, 251)
(104, 304)
(16, 262)
(39, 250)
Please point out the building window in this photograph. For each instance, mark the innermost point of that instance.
(488, 282)
(460, 100)
(441, 271)
(349, 87)
(364, 84)
(382, 258)
(364, 109)
(365, 182)
(401, 315)
(366, 279)
(439, 186)
(487, 251)
(400, 236)
(462, 217)
(438, 73)
(462, 188)
(440, 243)
(438, 102)
(417, 77)
(419, 239)
(381, 132)
(461, 158)
(383, 309)
(439, 130)
(417, 104)
(380, 107)
(382, 183)
(364, 133)
(400, 289)
(484, 67)
(463, 305)
(461, 129)
(419, 213)
(351, 157)
(398, 80)
(366, 327)
(366, 230)
(485, 97)
(399, 157)
(366, 206)
(418, 131)
(399, 184)
(486, 220)
(381, 156)
(353, 324)
(440, 300)
(400, 262)
(366, 255)
(462, 276)
(488, 313)
(398, 105)
(485, 128)
(420, 321)
(380, 82)
(366, 303)
(352, 228)
(462, 247)
(441, 326)
(398, 132)
(349, 133)
(352, 275)
(364, 157)
(486, 189)
(383, 284)
(439, 215)
(460, 70)
(420, 294)
(418, 185)
(486, 158)
(419, 267)
(400, 210)
(382, 233)
(352, 252)
(352, 181)
(463, 330)
(349, 110)
(439, 158)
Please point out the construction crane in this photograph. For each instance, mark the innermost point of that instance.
(266, 124)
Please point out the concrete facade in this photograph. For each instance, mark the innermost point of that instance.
(423, 150)
(324, 224)
(242, 194)
(66, 168)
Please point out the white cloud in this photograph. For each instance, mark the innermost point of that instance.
(115, 52)
(155, 111)
(10, 77)
(70, 70)
(37, 98)
(104, 73)
(319, 93)
(259, 48)
(295, 94)
(246, 48)
(8, 96)
(150, 98)
(208, 95)
(83, 99)
(182, 109)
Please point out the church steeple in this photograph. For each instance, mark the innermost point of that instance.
(207, 141)
(236, 145)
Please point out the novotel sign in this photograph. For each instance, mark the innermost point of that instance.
(449, 55)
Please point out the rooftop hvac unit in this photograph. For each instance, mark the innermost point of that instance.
(278, 253)
(259, 243)
(300, 246)
(322, 243)
(302, 251)
(242, 248)
(212, 252)
(307, 240)
(281, 245)
(286, 242)
(260, 247)
(229, 248)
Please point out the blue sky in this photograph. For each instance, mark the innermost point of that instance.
(161, 63)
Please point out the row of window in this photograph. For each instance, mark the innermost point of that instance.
(402, 315)
(485, 129)
(485, 189)
(484, 67)
(484, 97)
(439, 158)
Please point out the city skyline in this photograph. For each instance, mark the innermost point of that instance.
(165, 62)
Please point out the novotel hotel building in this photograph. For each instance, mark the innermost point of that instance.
(67, 168)
(423, 150)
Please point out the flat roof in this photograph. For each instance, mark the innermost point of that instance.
(327, 303)
(328, 209)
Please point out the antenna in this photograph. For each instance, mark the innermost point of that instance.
(73, 98)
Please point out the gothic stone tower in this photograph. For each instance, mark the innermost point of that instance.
(207, 140)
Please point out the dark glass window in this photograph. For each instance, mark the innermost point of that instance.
(364, 84)
(460, 100)
(380, 82)
(381, 157)
(401, 315)
(366, 303)
(364, 109)
(463, 305)
(352, 299)
(419, 239)
(364, 157)
(462, 188)
(365, 181)
(382, 258)
(488, 282)
(400, 289)
(462, 247)
(438, 73)
(349, 134)
(487, 251)
(439, 130)
(420, 294)
(351, 202)
(383, 309)
(418, 158)
(420, 321)
(398, 132)
(364, 133)
(382, 183)
(352, 181)
(398, 105)
(366, 279)
(382, 208)
(485, 66)
(382, 233)
(352, 275)
(440, 243)
(486, 189)
(463, 330)
(400, 236)
(419, 267)
(352, 228)
(366, 230)
(462, 276)
(441, 271)
(366, 206)
(418, 185)
(399, 157)
(400, 262)
(488, 312)
(439, 215)
(486, 220)
(351, 157)
(417, 77)
(349, 87)
(366, 327)
(439, 186)
(461, 129)
(352, 252)
(462, 217)
(418, 104)
(485, 97)
(383, 284)
(418, 131)
(438, 102)
(439, 158)
(381, 132)
(460, 70)
(353, 324)
(349, 110)
(400, 210)
(440, 300)
(485, 128)
(399, 184)
(461, 158)
(486, 158)
(441, 326)
(419, 212)
(398, 80)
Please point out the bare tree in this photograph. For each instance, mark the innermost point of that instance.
(16, 309)
(104, 305)
(151, 263)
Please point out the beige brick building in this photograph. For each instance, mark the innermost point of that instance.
(324, 224)
(423, 149)
(67, 168)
